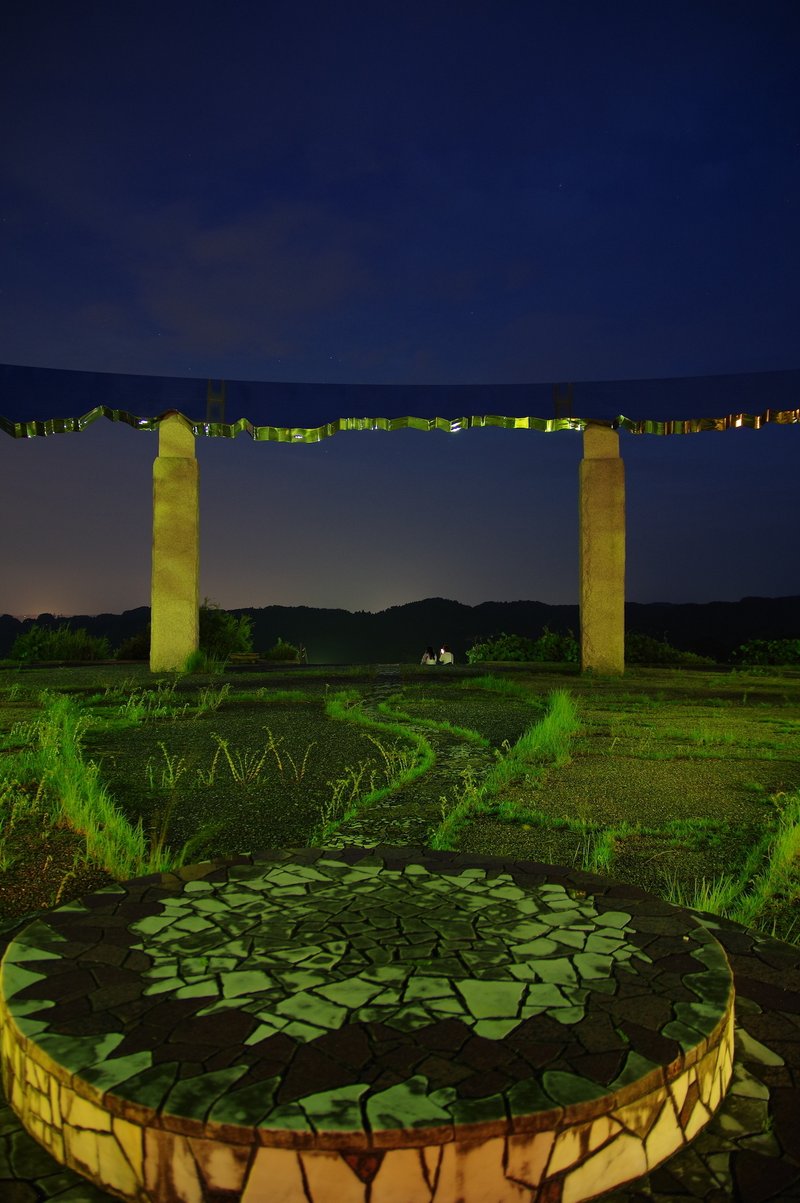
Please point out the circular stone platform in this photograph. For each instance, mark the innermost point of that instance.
(385, 1025)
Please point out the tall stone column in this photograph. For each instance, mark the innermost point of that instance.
(175, 591)
(602, 552)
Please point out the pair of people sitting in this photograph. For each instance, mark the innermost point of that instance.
(445, 656)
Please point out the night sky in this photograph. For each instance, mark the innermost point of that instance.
(437, 193)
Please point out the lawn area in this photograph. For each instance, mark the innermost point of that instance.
(685, 782)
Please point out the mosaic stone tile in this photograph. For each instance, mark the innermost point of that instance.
(298, 1003)
(621, 1160)
(758, 1178)
(336, 1110)
(569, 1089)
(194, 1099)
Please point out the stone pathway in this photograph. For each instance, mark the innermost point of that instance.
(408, 815)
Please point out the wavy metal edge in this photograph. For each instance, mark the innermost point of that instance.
(41, 428)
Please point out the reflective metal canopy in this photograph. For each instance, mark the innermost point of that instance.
(43, 401)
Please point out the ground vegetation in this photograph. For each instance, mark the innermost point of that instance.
(686, 782)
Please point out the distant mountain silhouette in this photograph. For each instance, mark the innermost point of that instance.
(401, 633)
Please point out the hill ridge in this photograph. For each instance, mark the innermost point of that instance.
(400, 633)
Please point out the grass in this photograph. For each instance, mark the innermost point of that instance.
(733, 857)
(777, 879)
(392, 711)
(72, 792)
(170, 813)
(401, 765)
(545, 742)
(502, 685)
(687, 784)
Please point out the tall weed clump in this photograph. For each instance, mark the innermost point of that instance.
(769, 877)
(77, 795)
(779, 878)
(548, 741)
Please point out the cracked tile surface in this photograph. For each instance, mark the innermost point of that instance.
(385, 1006)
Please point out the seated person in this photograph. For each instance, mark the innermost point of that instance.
(428, 656)
(446, 656)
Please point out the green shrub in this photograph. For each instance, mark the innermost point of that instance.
(135, 647)
(644, 649)
(550, 646)
(62, 643)
(222, 634)
(768, 651)
(281, 650)
(199, 661)
(501, 647)
(554, 646)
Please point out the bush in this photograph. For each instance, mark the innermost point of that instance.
(644, 649)
(768, 651)
(135, 647)
(501, 647)
(549, 647)
(553, 646)
(283, 651)
(40, 643)
(222, 633)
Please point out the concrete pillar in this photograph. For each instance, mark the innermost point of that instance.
(175, 591)
(602, 552)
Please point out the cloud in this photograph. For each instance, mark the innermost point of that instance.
(253, 281)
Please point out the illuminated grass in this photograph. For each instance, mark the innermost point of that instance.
(402, 764)
(780, 876)
(738, 852)
(545, 742)
(494, 684)
(394, 712)
(77, 797)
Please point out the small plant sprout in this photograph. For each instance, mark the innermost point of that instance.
(345, 792)
(397, 758)
(146, 704)
(207, 777)
(273, 745)
(245, 767)
(210, 699)
(300, 770)
(172, 770)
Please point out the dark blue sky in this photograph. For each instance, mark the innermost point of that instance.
(441, 193)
